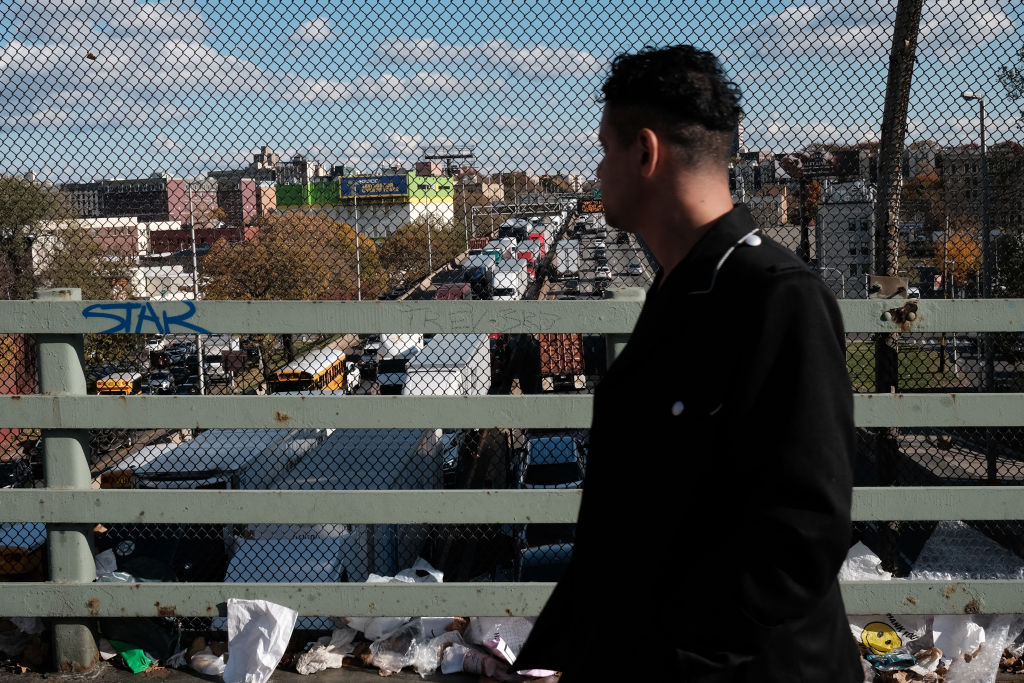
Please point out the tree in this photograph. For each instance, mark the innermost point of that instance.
(295, 256)
(407, 253)
(25, 205)
(1012, 78)
(78, 258)
(958, 255)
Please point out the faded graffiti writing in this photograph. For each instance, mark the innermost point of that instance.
(134, 316)
(451, 317)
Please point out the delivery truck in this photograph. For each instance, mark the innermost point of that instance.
(450, 365)
(561, 361)
(510, 281)
(567, 259)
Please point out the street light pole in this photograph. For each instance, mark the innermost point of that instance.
(359, 275)
(195, 291)
(987, 352)
(988, 371)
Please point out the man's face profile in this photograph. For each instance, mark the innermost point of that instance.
(612, 173)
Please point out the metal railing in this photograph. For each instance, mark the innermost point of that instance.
(63, 411)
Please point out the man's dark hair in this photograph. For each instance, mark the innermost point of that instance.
(679, 92)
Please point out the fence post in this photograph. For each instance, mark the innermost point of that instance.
(614, 343)
(66, 466)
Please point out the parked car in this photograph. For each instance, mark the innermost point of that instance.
(160, 359)
(180, 374)
(177, 353)
(635, 268)
(602, 273)
(161, 382)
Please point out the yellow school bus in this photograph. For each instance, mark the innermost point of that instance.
(120, 383)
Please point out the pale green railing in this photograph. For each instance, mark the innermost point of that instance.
(67, 502)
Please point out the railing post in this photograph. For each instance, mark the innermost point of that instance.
(66, 466)
(614, 343)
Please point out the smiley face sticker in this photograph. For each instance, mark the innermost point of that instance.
(880, 638)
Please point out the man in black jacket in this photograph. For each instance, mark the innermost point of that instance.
(716, 505)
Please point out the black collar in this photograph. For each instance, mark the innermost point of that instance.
(697, 269)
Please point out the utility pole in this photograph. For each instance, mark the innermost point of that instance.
(894, 128)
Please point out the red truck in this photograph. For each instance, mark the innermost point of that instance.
(561, 361)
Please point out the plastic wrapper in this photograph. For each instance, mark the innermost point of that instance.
(971, 645)
(375, 628)
(205, 662)
(327, 653)
(258, 633)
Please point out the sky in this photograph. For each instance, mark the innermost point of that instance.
(119, 88)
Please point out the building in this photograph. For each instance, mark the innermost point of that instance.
(477, 186)
(845, 238)
(118, 237)
(161, 199)
(239, 200)
(376, 205)
(769, 207)
(561, 183)
(300, 170)
(86, 199)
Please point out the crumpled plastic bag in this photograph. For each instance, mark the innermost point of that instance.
(881, 634)
(418, 644)
(375, 628)
(205, 662)
(327, 653)
(258, 634)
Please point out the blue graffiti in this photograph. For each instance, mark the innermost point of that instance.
(124, 312)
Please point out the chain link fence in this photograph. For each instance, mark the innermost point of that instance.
(215, 150)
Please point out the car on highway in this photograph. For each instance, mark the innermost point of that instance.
(635, 268)
(161, 382)
(602, 273)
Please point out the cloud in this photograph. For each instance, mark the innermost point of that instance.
(836, 30)
(776, 133)
(514, 123)
(537, 62)
(319, 30)
(162, 143)
(89, 23)
(401, 50)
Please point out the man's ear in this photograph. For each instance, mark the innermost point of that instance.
(649, 151)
